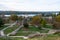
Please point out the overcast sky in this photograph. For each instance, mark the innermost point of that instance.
(30, 5)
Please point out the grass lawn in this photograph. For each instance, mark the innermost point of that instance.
(32, 29)
(3, 27)
(10, 29)
(48, 26)
(22, 32)
(9, 38)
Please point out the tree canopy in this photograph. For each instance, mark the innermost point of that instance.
(1, 22)
(14, 17)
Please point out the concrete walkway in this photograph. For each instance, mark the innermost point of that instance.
(2, 31)
(15, 31)
(9, 26)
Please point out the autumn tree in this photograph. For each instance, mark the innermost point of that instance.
(36, 21)
(57, 18)
(57, 22)
(14, 17)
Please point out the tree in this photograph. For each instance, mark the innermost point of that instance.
(53, 17)
(25, 23)
(59, 13)
(57, 22)
(1, 22)
(20, 18)
(14, 17)
(57, 18)
(36, 20)
(43, 22)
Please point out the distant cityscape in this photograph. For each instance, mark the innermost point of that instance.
(23, 13)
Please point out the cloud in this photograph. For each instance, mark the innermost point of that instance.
(30, 5)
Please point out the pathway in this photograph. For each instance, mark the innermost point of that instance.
(2, 31)
(15, 31)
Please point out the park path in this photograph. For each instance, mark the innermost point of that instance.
(51, 31)
(2, 31)
(10, 26)
(15, 31)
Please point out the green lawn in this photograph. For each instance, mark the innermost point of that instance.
(32, 29)
(10, 38)
(3, 27)
(10, 29)
(48, 26)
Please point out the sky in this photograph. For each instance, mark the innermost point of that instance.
(29, 5)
